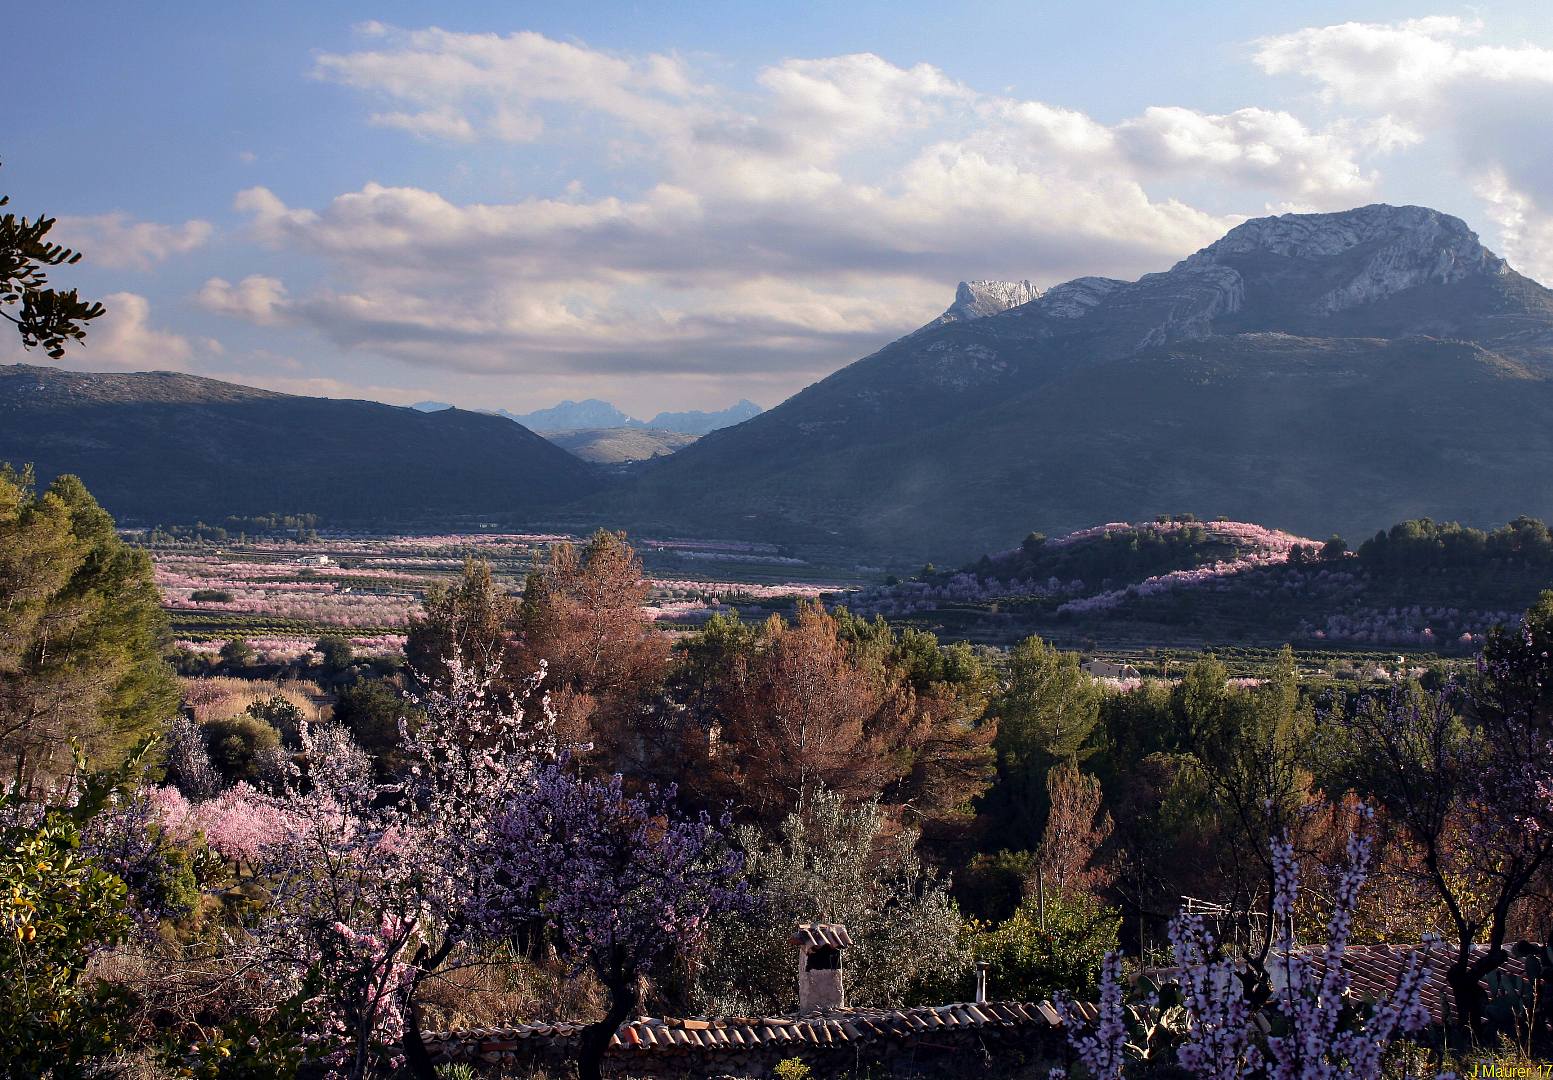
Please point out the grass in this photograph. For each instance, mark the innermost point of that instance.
(219, 697)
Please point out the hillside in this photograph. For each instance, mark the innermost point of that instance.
(165, 447)
(1313, 372)
(1184, 583)
(617, 445)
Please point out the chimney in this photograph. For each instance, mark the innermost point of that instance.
(820, 948)
(981, 982)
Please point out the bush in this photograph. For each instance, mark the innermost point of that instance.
(282, 714)
(836, 863)
(238, 745)
(370, 711)
(237, 653)
(219, 596)
(59, 910)
(336, 652)
(991, 887)
(246, 1047)
(1028, 963)
(189, 662)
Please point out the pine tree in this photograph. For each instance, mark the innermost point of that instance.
(46, 318)
(472, 619)
(81, 632)
(1046, 714)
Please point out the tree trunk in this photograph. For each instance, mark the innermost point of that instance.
(1466, 997)
(594, 1040)
(416, 1059)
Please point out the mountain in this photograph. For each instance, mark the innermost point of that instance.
(165, 447)
(570, 416)
(978, 299)
(590, 415)
(1313, 372)
(431, 406)
(618, 445)
(696, 422)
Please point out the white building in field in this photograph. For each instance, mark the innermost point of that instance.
(1110, 669)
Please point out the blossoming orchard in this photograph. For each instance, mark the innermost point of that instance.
(536, 805)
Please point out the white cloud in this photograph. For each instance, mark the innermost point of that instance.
(257, 298)
(779, 232)
(441, 123)
(1490, 105)
(1255, 147)
(126, 338)
(496, 83)
(118, 240)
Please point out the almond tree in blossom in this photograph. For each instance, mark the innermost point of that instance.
(1320, 1034)
(371, 882)
(623, 882)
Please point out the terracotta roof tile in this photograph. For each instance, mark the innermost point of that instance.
(829, 1027)
(1374, 971)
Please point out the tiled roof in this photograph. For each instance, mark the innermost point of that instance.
(815, 935)
(824, 1028)
(1376, 969)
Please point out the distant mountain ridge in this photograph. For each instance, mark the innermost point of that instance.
(167, 447)
(596, 415)
(1313, 372)
(570, 416)
(697, 422)
(1309, 371)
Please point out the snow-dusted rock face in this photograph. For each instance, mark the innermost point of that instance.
(1074, 299)
(1303, 274)
(1192, 298)
(978, 299)
(1394, 248)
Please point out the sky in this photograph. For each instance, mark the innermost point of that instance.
(678, 205)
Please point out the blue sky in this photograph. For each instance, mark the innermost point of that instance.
(678, 205)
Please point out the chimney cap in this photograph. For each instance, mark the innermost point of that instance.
(822, 935)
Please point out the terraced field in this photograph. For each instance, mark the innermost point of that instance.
(281, 596)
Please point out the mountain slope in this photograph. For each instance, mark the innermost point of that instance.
(699, 422)
(1312, 372)
(617, 445)
(161, 446)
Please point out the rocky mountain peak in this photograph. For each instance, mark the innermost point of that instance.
(978, 299)
(1386, 249)
(1073, 299)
